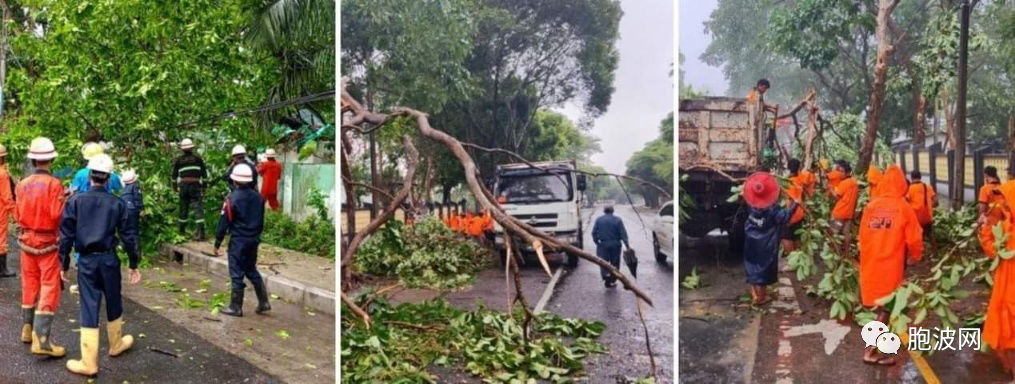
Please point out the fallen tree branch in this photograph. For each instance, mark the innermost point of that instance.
(370, 187)
(587, 173)
(717, 170)
(389, 211)
(648, 343)
(356, 309)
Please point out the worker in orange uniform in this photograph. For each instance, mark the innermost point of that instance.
(999, 324)
(38, 215)
(6, 210)
(835, 176)
(992, 206)
(889, 230)
(790, 237)
(809, 181)
(846, 194)
(873, 177)
(270, 171)
(454, 222)
(923, 199)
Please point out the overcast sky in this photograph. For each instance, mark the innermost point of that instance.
(644, 88)
(693, 41)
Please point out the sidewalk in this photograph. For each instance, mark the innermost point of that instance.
(302, 279)
(293, 341)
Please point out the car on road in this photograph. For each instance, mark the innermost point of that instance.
(662, 233)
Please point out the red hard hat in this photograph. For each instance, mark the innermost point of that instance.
(761, 190)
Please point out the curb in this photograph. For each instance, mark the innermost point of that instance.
(318, 299)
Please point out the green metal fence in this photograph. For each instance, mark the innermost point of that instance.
(297, 182)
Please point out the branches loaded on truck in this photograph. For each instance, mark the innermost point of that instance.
(721, 140)
(546, 197)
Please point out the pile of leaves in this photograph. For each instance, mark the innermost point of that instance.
(425, 255)
(404, 342)
(312, 235)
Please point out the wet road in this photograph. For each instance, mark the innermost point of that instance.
(581, 293)
(196, 361)
(792, 340)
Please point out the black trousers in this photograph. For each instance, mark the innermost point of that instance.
(191, 196)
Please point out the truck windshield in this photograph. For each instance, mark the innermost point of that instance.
(533, 188)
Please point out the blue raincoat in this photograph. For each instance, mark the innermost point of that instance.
(763, 232)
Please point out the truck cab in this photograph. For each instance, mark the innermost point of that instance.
(547, 197)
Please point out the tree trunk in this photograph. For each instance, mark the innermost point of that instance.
(919, 115)
(958, 192)
(885, 49)
(1011, 147)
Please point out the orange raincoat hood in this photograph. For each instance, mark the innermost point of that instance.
(873, 175)
(893, 183)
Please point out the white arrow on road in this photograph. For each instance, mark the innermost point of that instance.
(831, 329)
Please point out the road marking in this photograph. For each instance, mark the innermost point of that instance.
(832, 331)
(921, 363)
(548, 292)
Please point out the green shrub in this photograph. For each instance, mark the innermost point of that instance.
(313, 235)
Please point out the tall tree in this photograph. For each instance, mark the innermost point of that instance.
(885, 49)
(654, 163)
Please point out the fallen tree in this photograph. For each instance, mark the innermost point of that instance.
(355, 115)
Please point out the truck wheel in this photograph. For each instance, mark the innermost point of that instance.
(572, 260)
(660, 257)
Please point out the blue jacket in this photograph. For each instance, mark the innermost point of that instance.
(609, 229)
(81, 183)
(242, 215)
(763, 232)
(132, 196)
(89, 222)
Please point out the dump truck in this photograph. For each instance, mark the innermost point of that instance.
(719, 138)
(546, 197)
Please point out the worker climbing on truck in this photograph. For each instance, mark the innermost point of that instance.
(758, 94)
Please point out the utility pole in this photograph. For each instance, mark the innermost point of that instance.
(958, 191)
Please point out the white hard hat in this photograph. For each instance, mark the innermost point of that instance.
(242, 174)
(41, 149)
(129, 176)
(101, 163)
(270, 153)
(239, 150)
(3, 150)
(186, 144)
(91, 149)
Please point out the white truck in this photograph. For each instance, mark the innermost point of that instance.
(547, 198)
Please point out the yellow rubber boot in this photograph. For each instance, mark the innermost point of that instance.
(89, 363)
(41, 344)
(28, 314)
(118, 343)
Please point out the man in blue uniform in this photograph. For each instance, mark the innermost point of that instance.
(82, 183)
(188, 178)
(91, 223)
(239, 154)
(134, 200)
(243, 217)
(608, 233)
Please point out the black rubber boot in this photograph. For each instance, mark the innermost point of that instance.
(235, 307)
(183, 229)
(262, 297)
(200, 233)
(4, 272)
